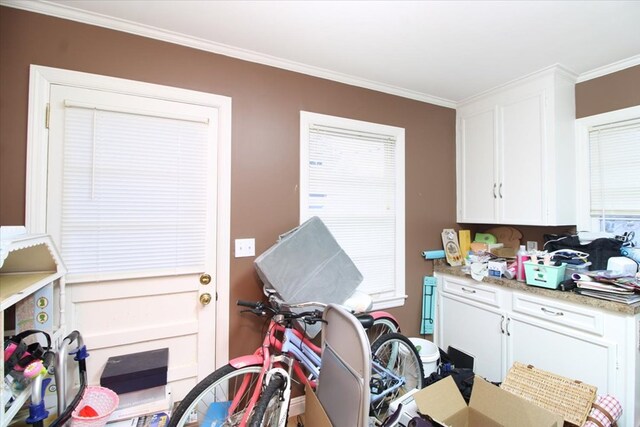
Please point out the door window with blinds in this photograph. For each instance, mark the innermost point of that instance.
(608, 154)
(135, 186)
(352, 177)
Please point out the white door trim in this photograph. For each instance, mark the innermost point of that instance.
(40, 81)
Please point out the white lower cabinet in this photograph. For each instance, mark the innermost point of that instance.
(475, 329)
(561, 351)
(499, 326)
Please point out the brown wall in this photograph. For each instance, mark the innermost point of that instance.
(608, 93)
(265, 137)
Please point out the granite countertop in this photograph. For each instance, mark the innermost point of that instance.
(440, 266)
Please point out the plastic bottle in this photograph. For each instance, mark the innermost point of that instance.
(521, 257)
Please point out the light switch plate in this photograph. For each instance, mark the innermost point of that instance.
(245, 247)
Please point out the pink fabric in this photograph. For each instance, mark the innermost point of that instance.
(608, 403)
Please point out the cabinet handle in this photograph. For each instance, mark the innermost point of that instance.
(551, 312)
(494, 191)
(500, 190)
(501, 322)
(469, 291)
(507, 328)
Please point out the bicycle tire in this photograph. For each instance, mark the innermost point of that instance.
(269, 404)
(396, 353)
(217, 388)
(382, 326)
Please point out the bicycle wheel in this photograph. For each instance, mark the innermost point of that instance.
(394, 354)
(208, 403)
(381, 326)
(267, 410)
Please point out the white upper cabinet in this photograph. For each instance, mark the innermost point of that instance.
(515, 153)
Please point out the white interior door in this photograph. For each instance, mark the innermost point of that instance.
(131, 202)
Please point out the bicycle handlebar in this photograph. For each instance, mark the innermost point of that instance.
(261, 309)
(248, 304)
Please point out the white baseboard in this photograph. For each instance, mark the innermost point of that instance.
(296, 406)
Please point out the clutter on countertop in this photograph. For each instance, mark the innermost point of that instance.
(441, 267)
(510, 237)
(452, 247)
(599, 250)
(563, 257)
(608, 285)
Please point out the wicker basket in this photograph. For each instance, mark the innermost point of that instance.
(103, 400)
(569, 398)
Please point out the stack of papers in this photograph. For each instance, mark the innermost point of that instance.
(143, 402)
(609, 286)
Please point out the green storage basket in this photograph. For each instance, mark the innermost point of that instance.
(544, 276)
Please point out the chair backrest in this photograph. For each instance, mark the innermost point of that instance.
(343, 385)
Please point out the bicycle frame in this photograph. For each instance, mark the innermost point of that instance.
(293, 350)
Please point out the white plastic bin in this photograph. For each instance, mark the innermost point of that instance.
(429, 354)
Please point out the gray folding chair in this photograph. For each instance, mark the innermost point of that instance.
(343, 385)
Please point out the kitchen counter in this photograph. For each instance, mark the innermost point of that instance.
(441, 267)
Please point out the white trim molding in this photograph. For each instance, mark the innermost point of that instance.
(608, 69)
(67, 12)
(73, 14)
(40, 81)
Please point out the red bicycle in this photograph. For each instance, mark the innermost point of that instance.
(254, 390)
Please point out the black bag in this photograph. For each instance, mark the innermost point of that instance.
(599, 250)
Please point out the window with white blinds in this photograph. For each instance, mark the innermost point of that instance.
(352, 177)
(615, 169)
(134, 193)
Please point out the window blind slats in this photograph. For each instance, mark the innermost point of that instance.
(615, 175)
(134, 192)
(352, 187)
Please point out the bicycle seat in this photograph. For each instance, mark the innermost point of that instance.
(366, 320)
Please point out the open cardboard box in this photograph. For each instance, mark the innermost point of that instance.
(314, 414)
(490, 406)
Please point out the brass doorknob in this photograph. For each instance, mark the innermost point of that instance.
(205, 279)
(205, 299)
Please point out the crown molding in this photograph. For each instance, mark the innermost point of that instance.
(608, 69)
(556, 69)
(73, 14)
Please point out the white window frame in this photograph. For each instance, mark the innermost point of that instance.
(584, 221)
(397, 296)
(40, 81)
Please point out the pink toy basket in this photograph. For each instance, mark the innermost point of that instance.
(103, 400)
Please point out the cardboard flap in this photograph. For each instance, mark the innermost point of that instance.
(440, 400)
(314, 413)
(512, 410)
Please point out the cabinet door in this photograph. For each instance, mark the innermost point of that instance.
(476, 167)
(475, 329)
(563, 351)
(522, 157)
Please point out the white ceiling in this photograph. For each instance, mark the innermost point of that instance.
(436, 51)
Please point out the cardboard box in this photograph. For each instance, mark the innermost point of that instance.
(314, 414)
(489, 406)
